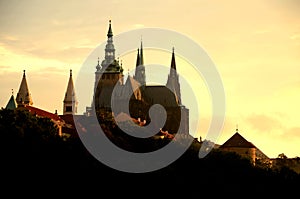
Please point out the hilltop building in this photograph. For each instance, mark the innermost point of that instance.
(238, 144)
(136, 91)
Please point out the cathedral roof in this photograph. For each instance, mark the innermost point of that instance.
(160, 95)
(24, 96)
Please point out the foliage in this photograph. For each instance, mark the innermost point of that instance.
(32, 144)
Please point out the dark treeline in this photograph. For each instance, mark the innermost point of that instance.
(34, 155)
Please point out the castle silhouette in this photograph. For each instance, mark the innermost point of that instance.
(135, 91)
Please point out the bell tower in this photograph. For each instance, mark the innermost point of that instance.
(108, 74)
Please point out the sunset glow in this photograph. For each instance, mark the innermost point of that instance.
(255, 46)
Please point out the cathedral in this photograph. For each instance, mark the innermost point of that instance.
(136, 93)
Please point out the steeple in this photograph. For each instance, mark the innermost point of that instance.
(110, 72)
(140, 74)
(138, 58)
(70, 101)
(173, 79)
(24, 96)
(109, 50)
(173, 63)
(109, 33)
(141, 55)
(12, 104)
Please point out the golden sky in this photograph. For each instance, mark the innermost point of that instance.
(255, 46)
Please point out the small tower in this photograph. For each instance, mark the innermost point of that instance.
(140, 74)
(12, 104)
(173, 80)
(24, 96)
(70, 101)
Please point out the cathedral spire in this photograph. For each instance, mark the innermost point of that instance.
(109, 33)
(70, 102)
(138, 58)
(173, 79)
(173, 63)
(140, 74)
(109, 48)
(24, 96)
(141, 54)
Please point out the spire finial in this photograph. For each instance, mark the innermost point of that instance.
(128, 71)
(237, 128)
(109, 33)
(141, 54)
(12, 91)
(70, 72)
(98, 60)
(23, 73)
(173, 49)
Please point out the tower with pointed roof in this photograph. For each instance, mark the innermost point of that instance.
(174, 85)
(140, 74)
(23, 95)
(108, 74)
(70, 102)
(12, 104)
(173, 79)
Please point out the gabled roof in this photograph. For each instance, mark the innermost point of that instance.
(237, 141)
(42, 113)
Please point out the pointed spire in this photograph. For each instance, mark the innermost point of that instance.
(173, 79)
(109, 33)
(173, 63)
(140, 75)
(24, 96)
(12, 104)
(70, 100)
(141, 54)
(109, 50)
(138, 58)
(237, 128)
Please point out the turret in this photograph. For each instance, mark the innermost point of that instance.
(70, 101)
(24, 96)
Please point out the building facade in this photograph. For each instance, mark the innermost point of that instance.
(112, 93)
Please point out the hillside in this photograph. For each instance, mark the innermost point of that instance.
(31, 150)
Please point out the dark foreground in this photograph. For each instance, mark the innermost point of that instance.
(36, 162)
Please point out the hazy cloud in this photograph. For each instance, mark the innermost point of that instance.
(263, 123)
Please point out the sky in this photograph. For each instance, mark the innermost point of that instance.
(255, 46)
